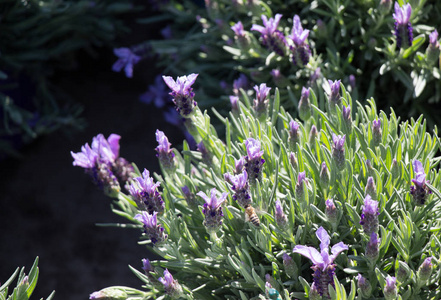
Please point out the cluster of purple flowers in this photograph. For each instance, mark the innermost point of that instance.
(272, 38)
(403, 27)
(165, 154)
(182, 93)
(144, 191)
(213, 210)
(254, 160)
(152, 229)
(323, 265)
(240, 187)
(103, 163)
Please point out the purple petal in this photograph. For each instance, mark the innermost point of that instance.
(337, 249)
(169, 81)
(418, 167)
(113, 140)
(310, 253)
(324, 238)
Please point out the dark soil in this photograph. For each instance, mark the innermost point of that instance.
(50, 208)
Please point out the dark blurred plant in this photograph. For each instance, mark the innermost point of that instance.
(37, 38)
(373, 46)
(25, 284)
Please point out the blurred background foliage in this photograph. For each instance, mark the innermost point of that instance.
(349, 40)
(37, 38)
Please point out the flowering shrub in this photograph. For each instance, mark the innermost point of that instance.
(25, 284)
(349, 192)
(370, 45)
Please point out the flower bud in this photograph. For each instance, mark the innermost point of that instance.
(433, 50)
(372, 248)
(395, 169)
(338, 151)
(109, 294)
(293, 160)
(424, 271)
(313, 134)
(171, 286)
(369, 216)
(334, 95)
(281, 219)
(376, 132)
(347, 119)
(331, 211)
(189, 196)
(261, 101)
(365, 286)
(279, 79)
(300, 189)
(290, 266)
(293, 133)
(234, 100)
(402, 272)
(390, 289)
(324, 176)
(304, 105)
(371, 189)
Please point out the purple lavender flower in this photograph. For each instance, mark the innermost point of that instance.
(154, 231)
(324, 175)
(304, 105)
(334, 95)
(372, 248)
(293, 133)
(300, 192)
(243, 41)
(189, 196)
(300, 51)
(260, 103)
(254, 160)
(212, 210)
(434, 49)
(126, 59)
(182, 93)
(313, 134)
(371, 189)
(424, 271)
(365, 286)
(97, 162)
(369, 216)
(390, 289)
(145, 192)
(148, 270)
(331, 211)
(403, 27)
(322, 262)
(289, 265)
(338, 151)
(165, 154)
(234, 100)
(240, 83)
(272, 38)
(239, 164)
(347, 116)
(241, 189)
(376, 132)
(207, 157)
(419, 190)
(293, 160)
(156, 94)
(171, 286)
(281, 218)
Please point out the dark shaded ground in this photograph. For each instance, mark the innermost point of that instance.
(49, 208)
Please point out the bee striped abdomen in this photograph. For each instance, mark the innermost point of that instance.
(251, 213)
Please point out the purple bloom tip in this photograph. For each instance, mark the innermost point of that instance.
(402, 14)
(182, 84)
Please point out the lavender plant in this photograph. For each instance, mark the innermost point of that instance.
(339, 189)
(369, 45)
(25, 284)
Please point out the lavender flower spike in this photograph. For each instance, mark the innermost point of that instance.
(365, 286)
(424, 271)
(376, 132)
(182, 93)
(369, 216)
(323, 262)
(165, 154)
(154, 231)
(334, 95)
(293, 133)
(144, 191)
(434, 48)
(300, 51)
(419, 190)
(390, 290)
(338, 151)
(212, 210)
(243, 41)
(372, 248)
(305, 105)
(300, 192)
(281, 218)
(254, 160)
(260, 103)
(403, 27)
(126, 59)
(241, 189)
(171, 286)
(272, 38)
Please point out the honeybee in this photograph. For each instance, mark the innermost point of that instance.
(250, 215)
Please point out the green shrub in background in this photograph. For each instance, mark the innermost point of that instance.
(349, 192)
(37, 38)
(378, 47)
(25, 284)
